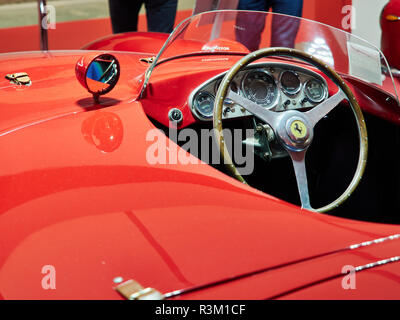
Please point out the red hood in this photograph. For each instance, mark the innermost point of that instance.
(55, 91)
(96, 214)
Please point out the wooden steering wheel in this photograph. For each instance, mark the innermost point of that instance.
(293, 129)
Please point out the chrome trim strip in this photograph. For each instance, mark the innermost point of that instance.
(375, 241)
(173, 294)
(256, 272)
(336, 276)
(377, 263)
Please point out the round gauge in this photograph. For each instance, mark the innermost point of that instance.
(315, 90)
(260, 87)
(233, 86)
(290, 82)
(204, 104)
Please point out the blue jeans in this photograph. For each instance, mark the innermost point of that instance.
(284, 29)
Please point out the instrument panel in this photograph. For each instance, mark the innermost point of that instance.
(274, 86)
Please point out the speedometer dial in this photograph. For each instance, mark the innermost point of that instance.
(259, 86)
(204, 104)
(315, 91)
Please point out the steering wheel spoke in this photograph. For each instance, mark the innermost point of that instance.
(257, 110)
(321, 110)
(299, 166)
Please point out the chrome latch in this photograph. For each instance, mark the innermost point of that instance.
(20, 78)
(132, 290)
(149, 60)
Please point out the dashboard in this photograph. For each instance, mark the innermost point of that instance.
(274, 86)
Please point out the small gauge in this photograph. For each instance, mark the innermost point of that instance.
(204, 104)
(315, 91)
(290, 82)
(259, 86)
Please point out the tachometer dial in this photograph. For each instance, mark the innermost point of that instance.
(260, 87)
(315, 91)
(290, 82)
(204, 104)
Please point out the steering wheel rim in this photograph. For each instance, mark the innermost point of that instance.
(310, 118)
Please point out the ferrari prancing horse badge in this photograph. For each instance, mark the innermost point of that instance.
(298, 129)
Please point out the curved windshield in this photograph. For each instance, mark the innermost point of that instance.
(234, 32)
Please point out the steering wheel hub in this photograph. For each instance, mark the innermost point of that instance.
(294, 131)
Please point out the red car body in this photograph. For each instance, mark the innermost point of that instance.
(390, 24)
(77, 193)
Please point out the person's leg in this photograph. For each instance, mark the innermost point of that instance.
(256, 5)
(249, 26)
(124, 15)
(161, 15)
(289, 7)
(284, 29)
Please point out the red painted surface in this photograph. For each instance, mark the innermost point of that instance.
(387, 277)
(100, 211)
(319, 278)
(77, 192)
(391, 33)
(328, 12)
(95, 209)
(55, 91)
(150, 42)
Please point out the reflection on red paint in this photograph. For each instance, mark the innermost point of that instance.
(104, 130)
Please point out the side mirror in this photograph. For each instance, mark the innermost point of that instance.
(99, 75)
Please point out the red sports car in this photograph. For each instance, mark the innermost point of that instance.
(234, 164)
